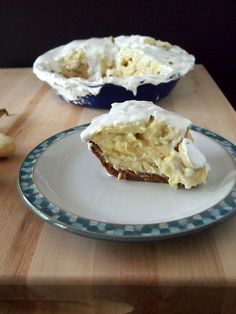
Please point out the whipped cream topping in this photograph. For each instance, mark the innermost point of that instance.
(174, 62)
(133, 111)
(192, 154)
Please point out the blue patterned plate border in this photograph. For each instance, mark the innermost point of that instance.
(54, 215)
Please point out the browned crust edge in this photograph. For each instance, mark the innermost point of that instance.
(125, 174)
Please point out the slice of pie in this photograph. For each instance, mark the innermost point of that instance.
(137, 140)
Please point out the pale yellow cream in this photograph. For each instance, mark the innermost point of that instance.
(151, 147)
(135, 62)
(129, 62)
(75, 64)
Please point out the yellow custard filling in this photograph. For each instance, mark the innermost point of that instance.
(151, 147)
(75, 64)
(130, 62)
(135, 62)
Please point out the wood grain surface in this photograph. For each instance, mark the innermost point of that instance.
(46, 270)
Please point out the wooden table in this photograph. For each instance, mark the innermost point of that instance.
(72, 274)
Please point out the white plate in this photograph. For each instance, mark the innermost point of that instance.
(64, 183)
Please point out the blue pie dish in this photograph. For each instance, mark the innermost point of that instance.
(97, 72)
(111, 93)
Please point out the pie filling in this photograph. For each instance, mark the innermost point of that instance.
(152, 148)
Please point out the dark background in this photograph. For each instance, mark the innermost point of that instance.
(204, 28)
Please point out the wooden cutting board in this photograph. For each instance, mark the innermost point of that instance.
(71, 274)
